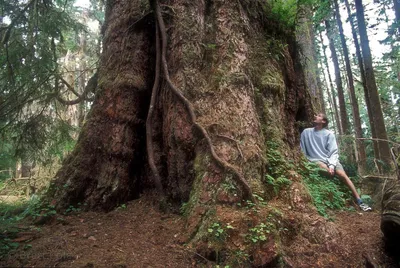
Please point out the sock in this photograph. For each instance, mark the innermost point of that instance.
(359, 201)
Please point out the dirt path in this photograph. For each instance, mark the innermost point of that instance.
(140, 236)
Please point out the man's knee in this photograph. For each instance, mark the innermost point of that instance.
(322, 165)
(342, 174)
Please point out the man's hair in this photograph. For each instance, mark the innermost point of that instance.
(325, 118)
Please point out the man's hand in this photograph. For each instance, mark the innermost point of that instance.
(331, 171)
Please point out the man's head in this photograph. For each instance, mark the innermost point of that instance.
(321, 119)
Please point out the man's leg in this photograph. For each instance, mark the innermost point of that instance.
(343, 176)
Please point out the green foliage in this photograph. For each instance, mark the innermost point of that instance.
(122, 206)
(324, 191)
(287, 12)
(272, 225)
(35, 36)
(72, 209)
(260, 232)
(10, 215)
(217, 230)
(278, 168)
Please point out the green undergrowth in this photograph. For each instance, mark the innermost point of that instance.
(14, 214)
(327, 193)
(278, 168)
(10, 215)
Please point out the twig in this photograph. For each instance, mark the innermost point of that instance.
(223, 164)
(91, 85)
(376, 139)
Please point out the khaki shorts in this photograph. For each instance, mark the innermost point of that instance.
(338, 165)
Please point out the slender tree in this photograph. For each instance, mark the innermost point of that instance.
(371, 88)
(396, 6)
(338, 79)
(363, 80)
(354, 104)
(331, 88)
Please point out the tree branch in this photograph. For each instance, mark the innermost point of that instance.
(91, 86)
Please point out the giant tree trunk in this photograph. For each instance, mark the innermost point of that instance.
(248, 96)
(354, 104)
(371, 88)
(306, 36)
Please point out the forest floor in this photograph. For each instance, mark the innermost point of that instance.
(139, 235)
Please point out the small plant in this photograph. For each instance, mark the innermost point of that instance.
(260, 200)
(71, 209)
(240, 258)
(260, 232)
(279, 183)
(122, 206)
(216, 230)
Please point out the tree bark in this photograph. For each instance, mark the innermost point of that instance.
(376, 111)
(339, 86)
(356, 114)
(396, 5)
(305, 36)
(335, 106)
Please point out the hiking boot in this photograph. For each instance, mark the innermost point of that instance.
(364, 207)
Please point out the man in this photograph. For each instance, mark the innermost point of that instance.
(319, 146)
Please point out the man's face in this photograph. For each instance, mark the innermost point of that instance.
(319, 119)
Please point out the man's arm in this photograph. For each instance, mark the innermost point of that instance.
(333, 154)
(302, 143)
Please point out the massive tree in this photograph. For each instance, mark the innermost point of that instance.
(219, 87)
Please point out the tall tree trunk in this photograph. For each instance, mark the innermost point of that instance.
(376, 111)
(339, 85)
(356, 114)
(330, 101)
(335, 107)
(396, 5)
(305, 36)
(226, 99)
(363, 80)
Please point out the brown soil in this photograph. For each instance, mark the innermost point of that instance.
(141, 236)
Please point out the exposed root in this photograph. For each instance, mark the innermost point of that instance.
(221, 163)
(149, 140)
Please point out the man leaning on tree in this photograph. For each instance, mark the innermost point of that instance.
(319, 146)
